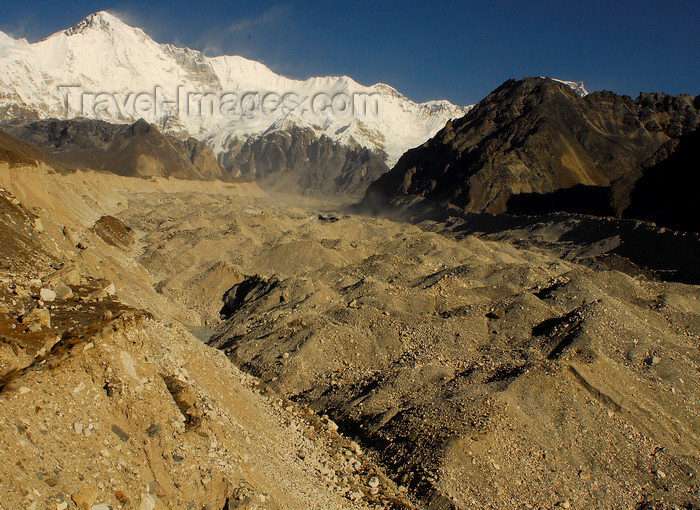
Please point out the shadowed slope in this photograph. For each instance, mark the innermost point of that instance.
(534, 136)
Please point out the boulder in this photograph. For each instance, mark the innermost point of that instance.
(38, 316)
(47, 295)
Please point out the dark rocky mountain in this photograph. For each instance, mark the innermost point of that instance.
(297, 159)
(292, 159)
(64, 136)
(662, 190)
(16, 152)
(666, 190)
(535, 146)
(138, 150)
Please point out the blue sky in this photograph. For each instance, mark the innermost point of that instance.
(454, 50)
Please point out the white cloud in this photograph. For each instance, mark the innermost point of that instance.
(270, 17)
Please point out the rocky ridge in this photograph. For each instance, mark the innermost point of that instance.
(138, 150)
(533, 138)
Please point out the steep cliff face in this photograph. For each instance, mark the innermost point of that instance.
(664, 190)
(289, 158)
(16, 152)
(535, 136)
(139, 149)
(297, 159)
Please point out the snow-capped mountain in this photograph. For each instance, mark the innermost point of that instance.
(577, 86)
(103, 68)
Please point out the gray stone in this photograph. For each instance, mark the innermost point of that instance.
(153, 430)
(63, 291)
(120, 433)
(147, 502)
(47, 295)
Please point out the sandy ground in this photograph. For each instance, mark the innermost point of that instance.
(479, 373)
(108, 404)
